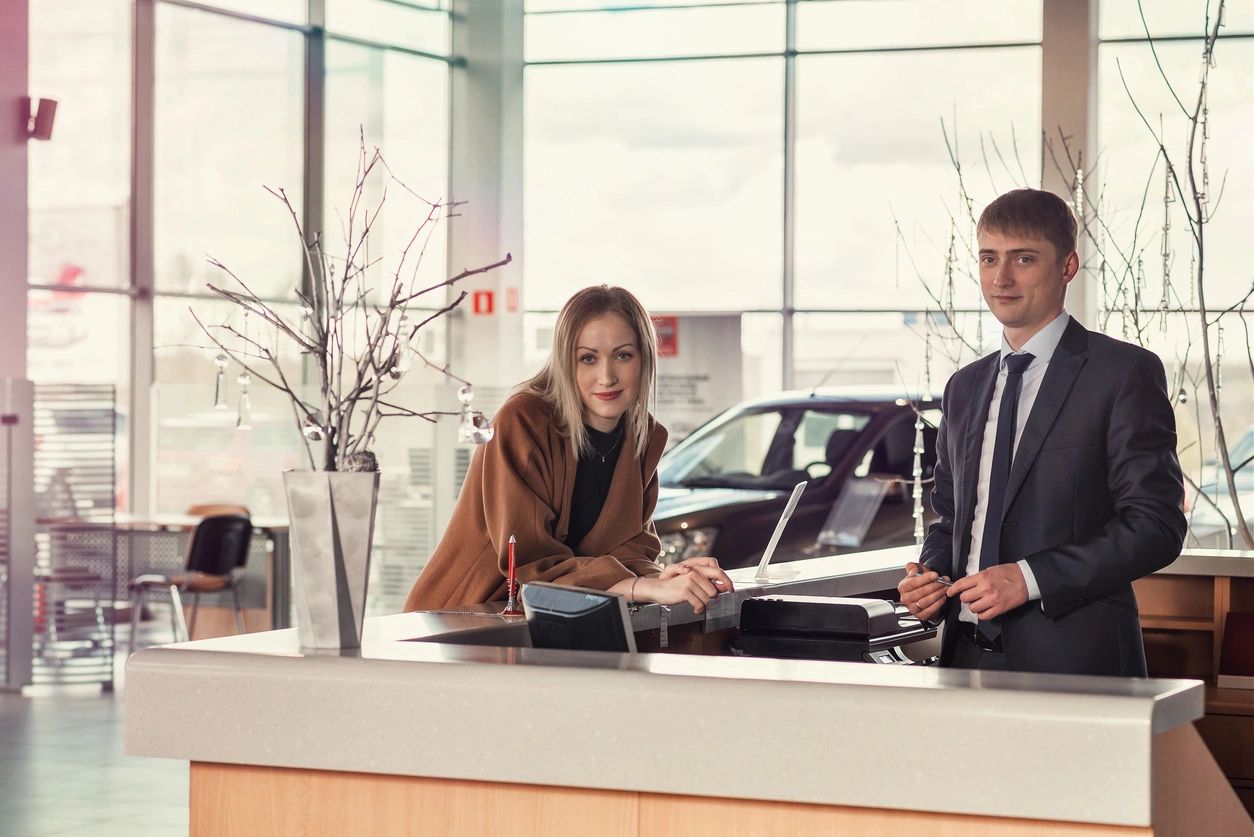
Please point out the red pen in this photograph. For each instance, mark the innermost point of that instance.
(511, 583)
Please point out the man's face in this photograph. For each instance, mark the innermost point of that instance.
(1023, 279)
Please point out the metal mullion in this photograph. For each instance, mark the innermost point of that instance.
(964, 47)
(82, 289)
(788, 275)
(244, 16)
(1165, 39)
(372, 44)
(715, 4)
(141, 439)
(212, 297)
(561, 62)
(420, 7)
(315, 133)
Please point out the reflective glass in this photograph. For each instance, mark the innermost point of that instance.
(199, 456)
(229, 120)
(84, 338)
(664, 178)
(400, 103)
(1129, 172)
(904, 353)
(423, 26)
(80, 181)
(874, 151)
(868, 24)
(655, 33)
(1122, 18)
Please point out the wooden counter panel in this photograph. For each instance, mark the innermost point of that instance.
(246, 801)
(705, 817)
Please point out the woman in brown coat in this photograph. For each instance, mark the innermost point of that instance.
(571, 473)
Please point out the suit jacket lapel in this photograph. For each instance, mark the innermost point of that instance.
(972, 448)
(1063, 369)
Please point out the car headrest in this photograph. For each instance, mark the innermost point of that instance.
(838, 445)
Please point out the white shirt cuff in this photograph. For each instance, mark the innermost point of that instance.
(1034, 591)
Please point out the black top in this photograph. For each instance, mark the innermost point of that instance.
(593, 476)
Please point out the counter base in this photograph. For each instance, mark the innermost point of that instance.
(258, 801)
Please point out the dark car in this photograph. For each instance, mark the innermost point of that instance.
(724, 487)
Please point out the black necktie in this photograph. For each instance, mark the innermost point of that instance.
(999, 475)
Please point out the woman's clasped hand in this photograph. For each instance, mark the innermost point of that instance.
(695, 581)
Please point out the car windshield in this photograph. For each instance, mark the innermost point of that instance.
(770, 449)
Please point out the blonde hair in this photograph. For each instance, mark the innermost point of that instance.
(555, 383)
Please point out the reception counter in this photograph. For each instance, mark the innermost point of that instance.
(443, 724)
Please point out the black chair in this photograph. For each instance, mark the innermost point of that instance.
(218, 549)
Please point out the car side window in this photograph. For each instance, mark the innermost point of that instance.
(738, 448)
(823, 438)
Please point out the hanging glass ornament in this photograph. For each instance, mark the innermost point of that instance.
(219, 383)
(244, 418)
(1182, 397)
(916, 494)
(475, 427)
(311, 429)
(1219, 353)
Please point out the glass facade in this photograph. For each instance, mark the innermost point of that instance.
(807, 169)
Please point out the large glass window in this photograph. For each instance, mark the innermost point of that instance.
(229, 122)
(1169, 18)
(721, 29)
(399, 104)
(80, 181)
(666, 178)
(871, 24)
(423, 25)
(202, 455)
(1132, 182)
(879, 202)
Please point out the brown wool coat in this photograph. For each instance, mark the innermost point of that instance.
(521, 483)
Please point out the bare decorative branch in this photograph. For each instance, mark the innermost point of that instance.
(357, 337)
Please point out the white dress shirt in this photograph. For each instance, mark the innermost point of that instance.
(1041, 346)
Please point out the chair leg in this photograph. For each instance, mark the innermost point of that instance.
(137, 604)
(180, 623)
(195, 610)
(239, 613)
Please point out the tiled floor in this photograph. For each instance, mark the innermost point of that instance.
(62, 770)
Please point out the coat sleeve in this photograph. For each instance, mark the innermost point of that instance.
(938, 546)
(1147, 493)
(522, 496)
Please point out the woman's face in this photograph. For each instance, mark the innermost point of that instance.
(607, 370)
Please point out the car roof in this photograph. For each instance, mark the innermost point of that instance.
(866, 397)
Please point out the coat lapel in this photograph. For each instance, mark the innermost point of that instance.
(972, 447)
(1063, 369)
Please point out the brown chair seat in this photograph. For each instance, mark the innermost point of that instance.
(193, 582)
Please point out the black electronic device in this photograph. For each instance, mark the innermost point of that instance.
(576, 618)
(829, 628)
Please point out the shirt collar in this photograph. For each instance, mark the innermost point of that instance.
(1042, 344)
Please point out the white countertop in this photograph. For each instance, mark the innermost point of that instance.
(1054, 747)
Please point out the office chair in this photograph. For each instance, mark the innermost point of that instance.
(219, 547)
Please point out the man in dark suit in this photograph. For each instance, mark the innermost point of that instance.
(1057, 482)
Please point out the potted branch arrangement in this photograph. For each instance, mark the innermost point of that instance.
(359, 341)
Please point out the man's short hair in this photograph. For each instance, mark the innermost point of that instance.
(1032, 212)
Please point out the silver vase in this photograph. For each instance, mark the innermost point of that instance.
(332, 526)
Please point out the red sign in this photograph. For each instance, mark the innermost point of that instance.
(481, 301)
(511, 300)
(667, 336)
